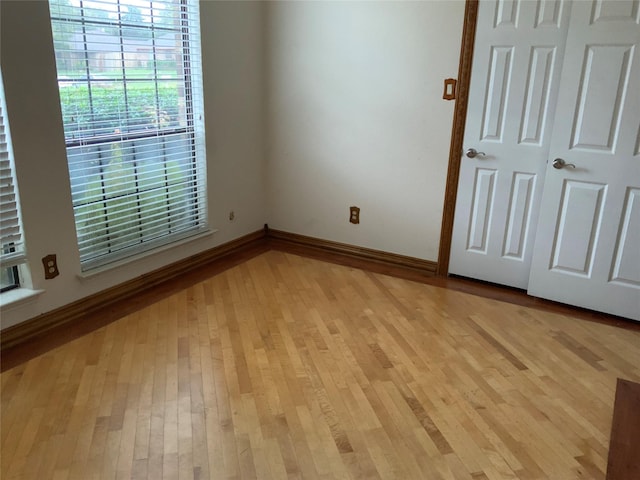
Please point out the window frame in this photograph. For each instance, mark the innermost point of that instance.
(192, 131)
(13, 273)
(12, 251)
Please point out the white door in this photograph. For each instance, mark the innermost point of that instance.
(587, 248)
(518, 53)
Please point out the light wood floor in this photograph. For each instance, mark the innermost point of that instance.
(289, 367)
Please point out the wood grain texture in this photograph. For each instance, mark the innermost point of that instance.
(76, 311)
(284, 366)
(624, 446)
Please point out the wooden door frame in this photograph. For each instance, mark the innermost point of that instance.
(457, 134)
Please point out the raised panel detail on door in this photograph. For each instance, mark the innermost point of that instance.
(518, 54)
(506, 13)
(519, 215)
(603, 88)
(498, 85)
(549, 13)
(587, 247)
(627, 258)
(578, 226)
(481, 210)
(607, 10)
(536, 107)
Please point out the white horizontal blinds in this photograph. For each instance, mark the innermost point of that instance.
(11, 246)
(129, 75)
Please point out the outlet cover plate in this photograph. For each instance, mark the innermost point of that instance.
(50, 267)
(354, 215)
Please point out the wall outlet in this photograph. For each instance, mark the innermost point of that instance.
(50, 267)
(354, 215)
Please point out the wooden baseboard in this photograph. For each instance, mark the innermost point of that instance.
(92, 312)
(94, 304)
(339, 252)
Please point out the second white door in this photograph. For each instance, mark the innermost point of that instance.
(587, 247)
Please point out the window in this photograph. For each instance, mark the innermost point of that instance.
(129, 76)
(11, 251)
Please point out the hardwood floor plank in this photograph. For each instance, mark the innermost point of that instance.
(288, 367)
(624, 457)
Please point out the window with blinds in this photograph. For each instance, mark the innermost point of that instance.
(11, 246)
(130, 82)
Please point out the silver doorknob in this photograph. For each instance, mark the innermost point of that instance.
(560, 163)
(473, 153)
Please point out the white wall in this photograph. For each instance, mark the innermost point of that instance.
(310, 107)
(232, 42)
(356, 117)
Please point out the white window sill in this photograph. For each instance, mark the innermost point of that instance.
(18, 296)
(93, 272)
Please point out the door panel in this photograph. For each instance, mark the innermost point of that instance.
(536, 105)
(506, 13)
(573, 248)
(496, 103)
(523, 186)
(627, 258)
(587, 248)
(604, 10)
(481, 209)
(518, 51)
(549, 13)
(603, 87)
